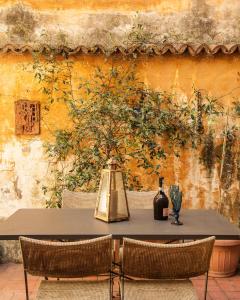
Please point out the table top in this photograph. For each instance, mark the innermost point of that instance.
(67, 223)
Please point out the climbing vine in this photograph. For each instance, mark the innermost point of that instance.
(208, 152)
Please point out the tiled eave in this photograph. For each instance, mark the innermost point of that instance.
(161, 49)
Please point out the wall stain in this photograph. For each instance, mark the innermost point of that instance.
(21, 23)
(18, 192)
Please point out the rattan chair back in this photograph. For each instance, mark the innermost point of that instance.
(88, 200)
(166, 261)
(67, 259)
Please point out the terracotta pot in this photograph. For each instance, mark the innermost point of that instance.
(225, 258)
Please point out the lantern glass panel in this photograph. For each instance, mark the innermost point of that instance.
(118, 201)
(104, 193)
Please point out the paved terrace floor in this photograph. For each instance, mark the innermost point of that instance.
(12, 285)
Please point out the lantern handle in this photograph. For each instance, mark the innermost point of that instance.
(112, 163)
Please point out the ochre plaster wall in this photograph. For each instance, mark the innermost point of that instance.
(131, 5)
(23, 166)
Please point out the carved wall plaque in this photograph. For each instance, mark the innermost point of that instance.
(27, 117)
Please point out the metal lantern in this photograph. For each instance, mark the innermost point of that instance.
(112, 205)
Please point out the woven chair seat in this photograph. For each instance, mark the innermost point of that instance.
(73, 290)
(159, 290)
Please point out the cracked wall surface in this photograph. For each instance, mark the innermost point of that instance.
(112, 23)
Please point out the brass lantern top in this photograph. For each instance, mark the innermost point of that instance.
(112, 203)
(112, 163)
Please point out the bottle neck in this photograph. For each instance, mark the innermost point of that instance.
(161, 184)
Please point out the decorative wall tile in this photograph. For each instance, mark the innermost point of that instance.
(27, 117)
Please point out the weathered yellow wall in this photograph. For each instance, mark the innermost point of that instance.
(131, 5)
(23, 168)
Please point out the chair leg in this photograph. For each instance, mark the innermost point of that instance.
(110, 286)
(116, 247)
(206, 286)
(26, 285)
(122, 286)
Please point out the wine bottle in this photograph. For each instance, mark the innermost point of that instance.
(160, 203)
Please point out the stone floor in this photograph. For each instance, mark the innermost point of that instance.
(12, 285)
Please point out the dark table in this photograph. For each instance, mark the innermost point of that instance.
(75, 223)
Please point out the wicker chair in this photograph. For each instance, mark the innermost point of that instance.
(69, 260)
(167, 267)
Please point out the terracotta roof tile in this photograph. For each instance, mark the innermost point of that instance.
(151, 49)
